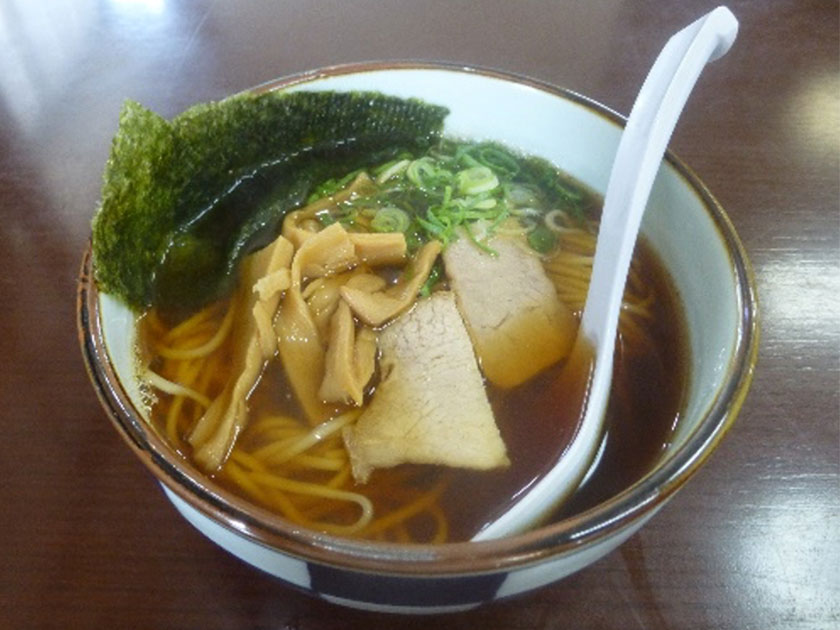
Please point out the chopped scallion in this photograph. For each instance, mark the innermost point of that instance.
(390, 219)
(541, 239)
(392, 170)
(477, 179)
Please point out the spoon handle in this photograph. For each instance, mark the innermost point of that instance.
(649, 127)
(643, 142)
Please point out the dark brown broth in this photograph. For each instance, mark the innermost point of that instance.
(647, 391)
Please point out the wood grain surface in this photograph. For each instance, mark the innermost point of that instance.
(87, 539)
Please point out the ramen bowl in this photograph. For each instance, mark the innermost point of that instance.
(684, 225)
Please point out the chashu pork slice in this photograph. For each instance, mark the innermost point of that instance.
(430, 406)
(516, 321)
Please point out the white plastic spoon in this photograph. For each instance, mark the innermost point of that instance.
(637, 161)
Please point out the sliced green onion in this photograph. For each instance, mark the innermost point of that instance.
(392, 170)
(481, 244)
(521, 195)
(475, 180)
(504, 214)
(456, 185)
(526, 212)
(463, 157)
(325, 217)
(482, 204)
(499, 160)
(332, 186)
(556, 220)
(541, 239)
(527, 223)
(348, 217)
(390, 219)
(423, 173)
(414, 238)
(434, 277)
(437, 231)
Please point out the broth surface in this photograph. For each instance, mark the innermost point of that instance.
(647, 390)
(536, 419)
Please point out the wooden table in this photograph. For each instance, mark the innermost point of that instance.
(86, 538)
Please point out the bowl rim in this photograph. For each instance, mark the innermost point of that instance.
(458, 558)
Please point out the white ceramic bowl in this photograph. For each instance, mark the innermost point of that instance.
(687, 228)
